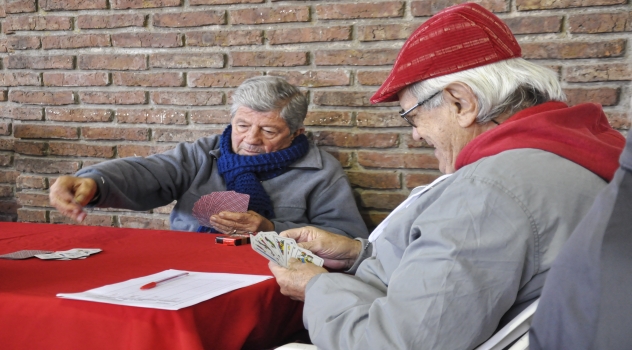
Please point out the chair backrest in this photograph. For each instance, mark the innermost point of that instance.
(515, 330)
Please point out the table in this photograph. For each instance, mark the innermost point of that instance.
(32, 317)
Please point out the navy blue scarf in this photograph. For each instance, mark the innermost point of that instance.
(244, 174)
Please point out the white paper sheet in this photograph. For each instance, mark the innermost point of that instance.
(172, 295)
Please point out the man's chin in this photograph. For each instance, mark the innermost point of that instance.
(249, 153)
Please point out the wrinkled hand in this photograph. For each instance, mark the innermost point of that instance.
(250, 221)
(69, 194)
(339, 252)
(294, 279)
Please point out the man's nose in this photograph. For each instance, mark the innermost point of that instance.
(416, 135)
(253, 136)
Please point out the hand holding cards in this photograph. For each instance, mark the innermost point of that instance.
(217, 202)
(281, 249)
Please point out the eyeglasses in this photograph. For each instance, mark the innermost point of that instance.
(404, 114)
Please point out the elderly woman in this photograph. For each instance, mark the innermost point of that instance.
(470, 251)
(262, 153)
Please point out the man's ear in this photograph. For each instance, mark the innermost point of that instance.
(298, 132)
(462, 102)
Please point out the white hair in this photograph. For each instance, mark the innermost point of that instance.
(501, 87)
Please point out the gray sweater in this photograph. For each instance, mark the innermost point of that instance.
(315, 191)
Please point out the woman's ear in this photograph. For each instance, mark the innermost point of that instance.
(463, 103)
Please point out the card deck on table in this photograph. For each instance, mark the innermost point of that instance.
(217, 202)
(281, 249)
(76, 253)
(23, 254)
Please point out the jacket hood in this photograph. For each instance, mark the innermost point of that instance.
(580, 134)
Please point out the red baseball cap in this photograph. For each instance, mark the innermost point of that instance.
(458, 38)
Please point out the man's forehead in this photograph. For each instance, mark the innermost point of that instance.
(267, 118)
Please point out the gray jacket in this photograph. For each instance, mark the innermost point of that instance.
(448, 267)
(314, 192)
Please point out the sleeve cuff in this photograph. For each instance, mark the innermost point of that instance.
(367, 251)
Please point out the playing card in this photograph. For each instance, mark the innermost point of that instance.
(23, 254)
(217, 202)
(75, 253)
(280, 249)
(304, 255)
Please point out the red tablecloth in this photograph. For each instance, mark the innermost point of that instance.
(32, 317)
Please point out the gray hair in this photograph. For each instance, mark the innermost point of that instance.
(266, 94)
(502, 87)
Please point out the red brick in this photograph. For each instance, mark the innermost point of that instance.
(67, 5)
(19, 43)
(280, 14)
(381, 32)
(151, 116)
(210, 116)
(148, 79)
(372, 78)
(46, 166)
(76, 79)
(33, 199)
(81, 150)
(109, 22)
(92, 219)
(114, 133)
(604, 96)
(220, 79)
(6, 191)
(384, 9)
(42, 97)
(4, 95)
(2, 11)
(411, 160)
(534, 24)
(380, 200)
(30, 215)
(225, 38)
(40, 62)
(166, 209)
(6, 144)
(414, 180)
(430, 7)
(37, 23)
(187, 98)
(571, 50)
(598, 72)
(141, 151)
(78, 115)
(147, 40)
(6, 159)
(113, 97)
(22, 113)
(223, 2)
(112, 62)
(328, 118)
(372, 218)
(353, 139)
(379, 180)
(526, 5)
(619, 120)
(182, 135)
(600, 23)
(269, 59)
(189, 19)
(31, 148)
(309, 35)
(342, 98)
(31, 181)
(345, 158)
(315, 78)
(20, 6)
(19, 79)
(380, 120)
(8, 176)
(373, 57)
(39, 131)
(75, 41)
(5, 129)
(150, 223)
(140, 4)
(188, 60)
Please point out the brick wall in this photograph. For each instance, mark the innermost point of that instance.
(86, 81)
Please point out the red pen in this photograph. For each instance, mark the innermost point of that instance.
(151, 285)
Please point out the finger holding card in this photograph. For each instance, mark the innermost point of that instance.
(249, 221)
(294, 279)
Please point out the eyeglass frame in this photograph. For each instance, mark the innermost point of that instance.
(403, 113)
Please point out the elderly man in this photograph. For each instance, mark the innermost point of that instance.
(262, 153)
(462, 256)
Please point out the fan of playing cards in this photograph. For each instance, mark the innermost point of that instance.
(76, 253)
(217, 202)
(281, 249)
